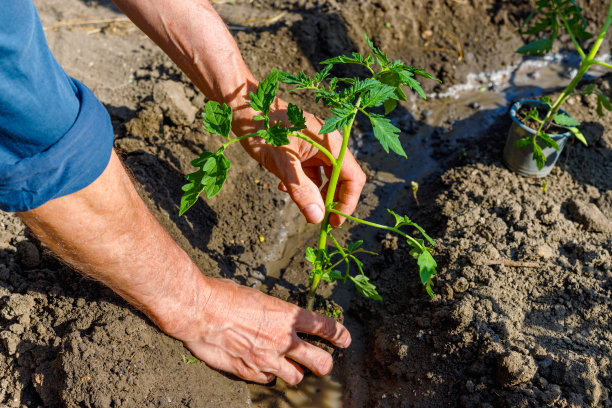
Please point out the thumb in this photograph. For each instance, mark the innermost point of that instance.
(305, 194)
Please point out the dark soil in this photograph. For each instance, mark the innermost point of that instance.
(533, 335)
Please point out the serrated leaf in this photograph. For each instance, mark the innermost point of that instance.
(390, 105)
(331, 276)
(296, 117)
(311, 255)
(524, 142)
(548, 141)
(275, 135)
(578, 134)
(342, 117)
(209, 179)
(363, 286)
(266, 92)
(538, 47)
(602, 102)
(427, 266)
(378, 96)
(217, 118)
(387, 134)
(562, 119)
(381, 57)
(353, 246)
(320, 76)
(429, 290)
(408, 79)
(538, 156)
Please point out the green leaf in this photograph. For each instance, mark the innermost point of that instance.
(342, 117)
(408, 79)
(578, 134)
(296, 117)
(331, 276)
(266, 92)
(217, 118)
(538, 47)
(548, 141)
(562, 119)
(524, 142)
(275, 135)
(429, 289)
(390, 105)
(602, 102)
(538, 156)
(387, 134)
(363, 286)
(209, 179)
(378, 96)
(381, 57)
(311, 255)
(353, 246)
(427, 266)
(320, 76)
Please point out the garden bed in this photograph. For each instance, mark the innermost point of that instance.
(522, 316)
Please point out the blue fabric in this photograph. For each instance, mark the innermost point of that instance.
(55, 136)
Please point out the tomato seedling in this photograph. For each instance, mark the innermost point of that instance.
(553, 15)
(346, 97)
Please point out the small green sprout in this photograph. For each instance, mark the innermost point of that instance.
(188, 360)
(381, 90)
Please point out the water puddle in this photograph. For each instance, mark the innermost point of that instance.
(312, 392)
(452, 116)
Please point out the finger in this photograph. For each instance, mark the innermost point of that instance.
(281, 187)
(219, 359)
(351, 182)
(314, 173)
(317, 360)
(304, 193)
(323, 326)
(290, 372)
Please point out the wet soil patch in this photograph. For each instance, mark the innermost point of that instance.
(501, 331)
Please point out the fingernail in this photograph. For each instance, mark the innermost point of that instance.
(347, 342)
(313, 213)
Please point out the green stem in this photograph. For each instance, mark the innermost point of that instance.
(317, 145)
(296, 134)
(603, 64)
(329, 198)
(584, 67)
(413, 241)
(237, 139)
(576, 44)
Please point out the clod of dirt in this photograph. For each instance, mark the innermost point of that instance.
(589, 215)
(462, 313)
(514, 368)
(28, 253)
(171, 97)
(147, 123)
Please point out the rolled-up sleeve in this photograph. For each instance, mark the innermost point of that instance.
(55, 136)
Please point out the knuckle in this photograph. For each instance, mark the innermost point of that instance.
(328, 328)
(360, 178)
(325, 363)
(296, 379)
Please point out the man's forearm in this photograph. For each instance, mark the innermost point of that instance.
(194, 36)
(106, 231)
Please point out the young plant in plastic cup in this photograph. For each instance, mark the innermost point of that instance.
(533, 150)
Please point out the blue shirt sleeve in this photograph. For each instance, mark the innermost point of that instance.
(55, 136)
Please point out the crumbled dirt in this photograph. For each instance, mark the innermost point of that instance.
(533, 335)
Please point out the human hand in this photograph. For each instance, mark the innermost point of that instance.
(298, 165)
(242, 331)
